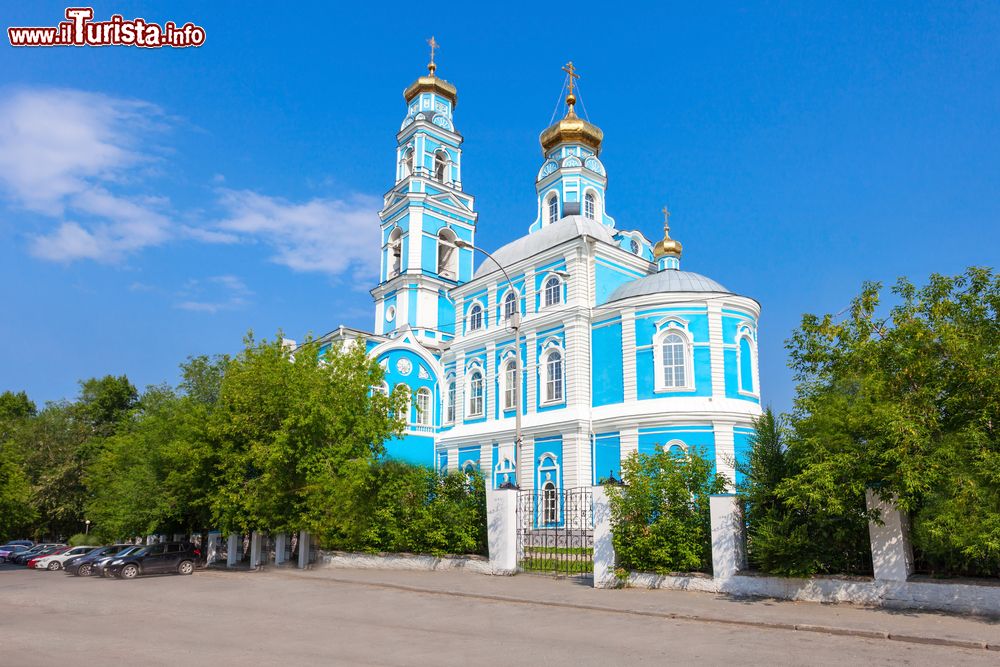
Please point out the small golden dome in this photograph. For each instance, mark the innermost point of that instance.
(667, 246)
(431, 84)
(571, 129)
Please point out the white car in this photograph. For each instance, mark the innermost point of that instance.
(55, 561)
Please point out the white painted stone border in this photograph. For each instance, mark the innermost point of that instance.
(412, 562)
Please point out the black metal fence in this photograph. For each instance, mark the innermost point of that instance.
(555, 529)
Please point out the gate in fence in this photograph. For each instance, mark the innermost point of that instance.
(555, 531)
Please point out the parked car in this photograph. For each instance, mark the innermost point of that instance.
(55, 560)
(37, 550)
(12, 549)
(42, 554)
(83, 566)
(100, 566)
(166, 557)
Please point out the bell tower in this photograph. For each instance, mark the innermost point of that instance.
(423, 216)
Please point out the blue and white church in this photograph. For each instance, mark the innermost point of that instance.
(620, 349)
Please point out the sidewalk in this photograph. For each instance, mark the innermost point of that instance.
(839, 619)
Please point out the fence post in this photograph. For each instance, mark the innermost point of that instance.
(728, 540)
(303, 550)
(604, 548)
(255, 540)
(279, 548)
(232, 550)
(892, 553)
(501, 530)
(212, 548)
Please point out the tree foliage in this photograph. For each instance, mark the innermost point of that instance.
(660, 518)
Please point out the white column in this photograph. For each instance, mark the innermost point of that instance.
(303, 550)
(629, 441)
(233, 550)
(728, 547)
(628, 354)
(526, 464)
(604, 549)
(725, 453)
(279, 548)
(501, 529)
(531, 368)
(255, 540)
(716, 355)
(892, 553)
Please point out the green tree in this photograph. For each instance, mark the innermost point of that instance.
(104, 402)
(660, 518)
(907, 402)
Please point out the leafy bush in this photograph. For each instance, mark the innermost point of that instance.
(407, 508)
(81, 539)
(793, 534)
(660, 519)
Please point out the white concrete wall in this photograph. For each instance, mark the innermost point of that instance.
(892, 553)
(501, 529)
(604, 549)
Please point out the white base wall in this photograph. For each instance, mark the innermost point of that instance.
(356, 561)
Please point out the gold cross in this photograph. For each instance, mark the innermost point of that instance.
(666, 220)
(571, 70)
(434, 45)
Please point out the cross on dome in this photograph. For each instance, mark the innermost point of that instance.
(433, 43)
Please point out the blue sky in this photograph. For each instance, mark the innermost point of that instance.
(156, 204)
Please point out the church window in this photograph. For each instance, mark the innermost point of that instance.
(476, 394)
(395, 252)
(475, 317)
(510, 384)
(674, 361)
(589, 206)
(440, 166)
(509, 305)
(553, 291)
(450, 412)
(553, 391)
(406, 163)
(550, 504)
(635, 247)
(746, 363)
(447, 264)
(405, 410)
(381, 389)
(424, 414)
(553, 208)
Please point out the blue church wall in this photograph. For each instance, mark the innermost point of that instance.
(390, 300)
(608, 385)
(746, 365)
(696, 320)
(415, 449)
(446, 313)
(548, 467)
(541, 274)
(742, 441)
(442, 462)
(502, 288)
(543, 338)
(609, 276)
(731, 321)
(412, 302)
(371, 345)
(655, 439)
(607, 456)
(467, 456)
(503, 471)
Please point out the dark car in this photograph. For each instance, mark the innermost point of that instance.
(35, 551)
(99, 568)
(10, 550)
(163, 558)
(83, 566)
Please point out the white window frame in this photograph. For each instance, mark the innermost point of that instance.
(425, 411)
(546, 398)
(451, 268)
(551, 208)
(747, 333)
(471, 372)
(451, 395)
(503, 303)
(676, 443)
(590, 197)
(508, 367)
(482, 317)
(550, 504)
(444, 163)
(667, 328)
(406, 162)
(545, 291)
(393, 268)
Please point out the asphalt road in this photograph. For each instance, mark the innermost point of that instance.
(226, 618)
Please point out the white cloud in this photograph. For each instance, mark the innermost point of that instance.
(64, 154)
(333, 236)
(226, 292)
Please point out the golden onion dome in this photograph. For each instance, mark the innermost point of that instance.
(431, 84)
(667, 246)
(571, 129)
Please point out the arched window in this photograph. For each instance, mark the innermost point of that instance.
(553, 208)
(405, 410)
(553, 388)
(447, 264)
(381, 389)
(475, 317)
(674, 349)
(395, 252)
(553, 291)
(450, 411)
(425, 417)
(509, 305)
(590, 206)
(550, 504)
(476, 394)
(406, 163)
(746, 363)
(635, 247)
(510, 385)
(440, 165)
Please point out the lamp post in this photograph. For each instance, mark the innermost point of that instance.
(515, 325)
(86, 527)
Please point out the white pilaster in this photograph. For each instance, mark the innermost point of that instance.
(501, 527)
(604, 549)
(728, 546)
(279, 548)
(531, 368)
(304, 544)
(628, 354)
(892, 553)
(232, 550)
(715, 350)
(725, 452)
(255, 540)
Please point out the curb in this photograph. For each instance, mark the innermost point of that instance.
(769, 625)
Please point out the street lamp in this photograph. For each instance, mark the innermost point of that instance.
(515, 325)
(86, 528)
